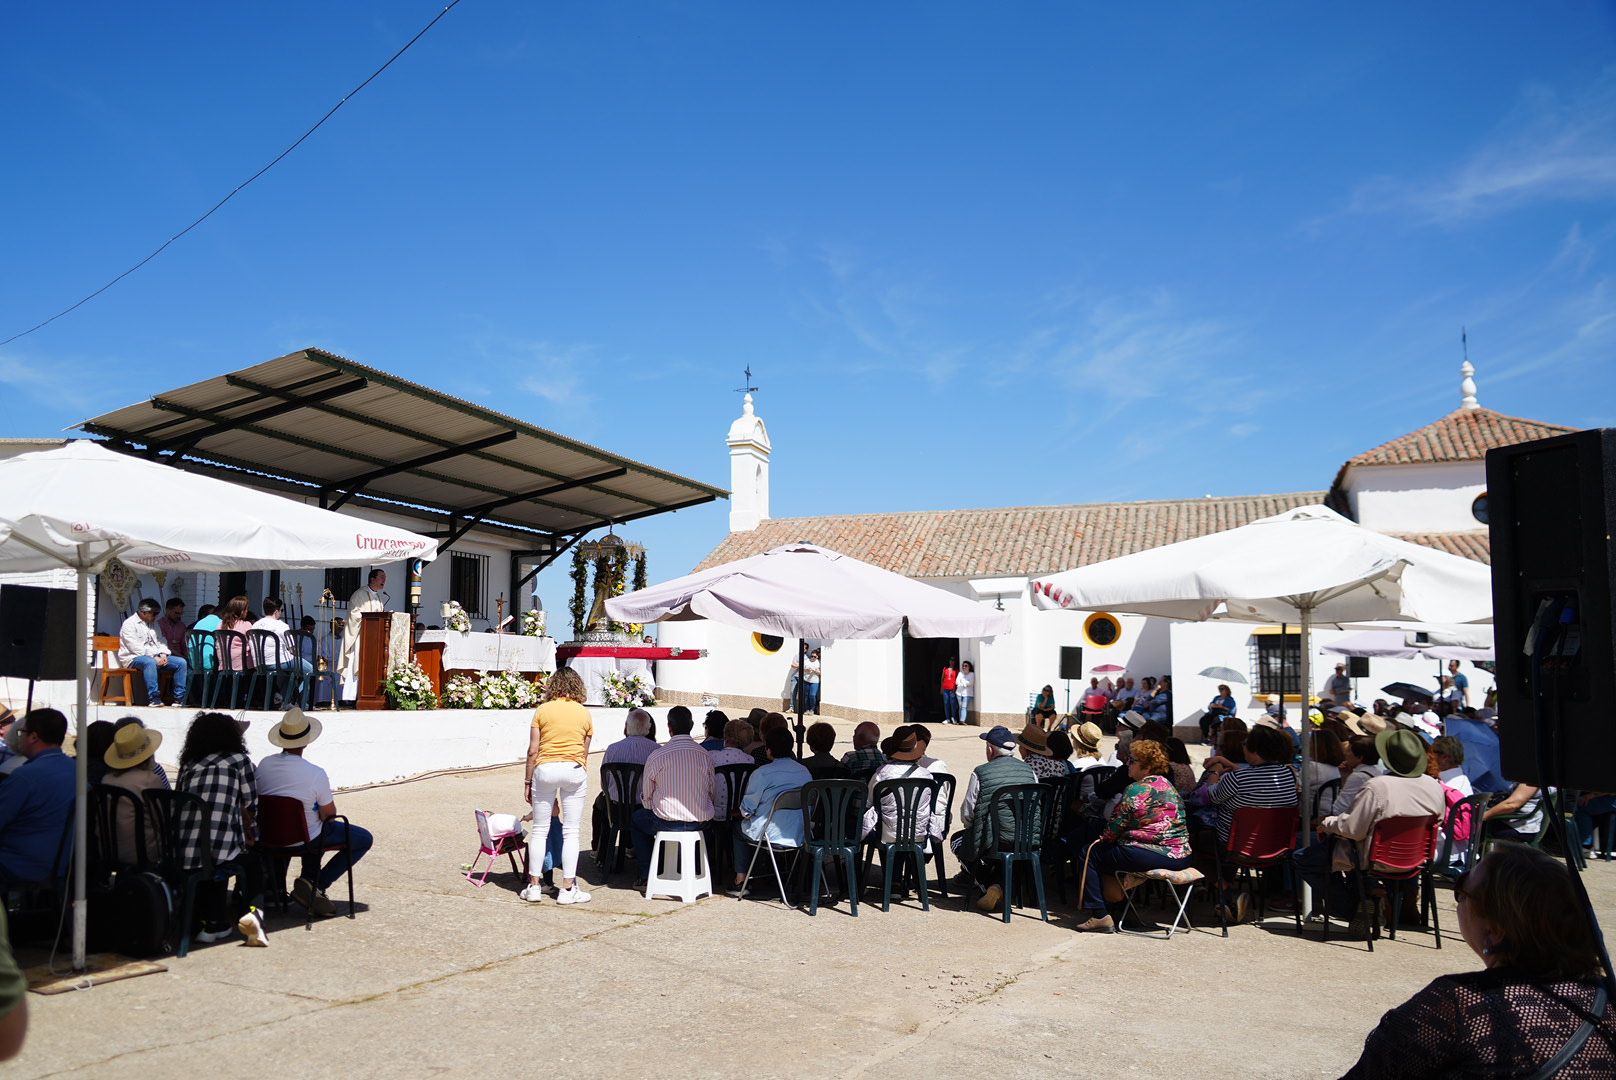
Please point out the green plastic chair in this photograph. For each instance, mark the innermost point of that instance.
(832, 811)
(911, 835)
(1022, 802)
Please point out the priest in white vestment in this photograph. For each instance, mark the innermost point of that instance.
(369, 598)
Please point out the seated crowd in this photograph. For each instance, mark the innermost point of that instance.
(149, 644)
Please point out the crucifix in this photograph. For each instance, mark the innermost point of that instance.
(499, 614)
(748, 388)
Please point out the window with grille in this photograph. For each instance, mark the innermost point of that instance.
(343, 581)
(1277, 661)
(468, 582)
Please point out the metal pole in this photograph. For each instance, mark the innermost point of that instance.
(1307, 746)
(81, 815)
(799, 690)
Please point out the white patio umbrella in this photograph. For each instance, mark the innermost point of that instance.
(804, 591)
(1308, 565)
(82, 505)
(1381, 644)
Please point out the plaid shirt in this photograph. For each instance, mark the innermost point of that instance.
(870, 757)
(227, 783)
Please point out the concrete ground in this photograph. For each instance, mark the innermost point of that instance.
(437, 977)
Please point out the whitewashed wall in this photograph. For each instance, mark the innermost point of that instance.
(1416, 498)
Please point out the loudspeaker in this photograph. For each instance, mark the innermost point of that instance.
(1550, 507)
(1071, 666)
(36, 632)
(1357, 667)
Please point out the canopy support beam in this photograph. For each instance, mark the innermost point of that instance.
(357, 484)
(474, 515)
(218, 424)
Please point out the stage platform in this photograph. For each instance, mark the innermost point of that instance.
(371, 747)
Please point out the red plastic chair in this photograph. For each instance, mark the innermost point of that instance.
(283, 831)
(1261, 838)
(1401, 849)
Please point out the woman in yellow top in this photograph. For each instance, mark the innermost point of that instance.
(558, 769)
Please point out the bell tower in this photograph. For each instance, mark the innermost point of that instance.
(749, 451)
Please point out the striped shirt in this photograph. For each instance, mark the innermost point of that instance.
(678, 783)
(1268, 784)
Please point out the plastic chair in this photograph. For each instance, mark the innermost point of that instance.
(226, 648)
(108, 668)
(786, 800)
(1330, 787)
(203, 658)
(1172, 880)
(495, 843)
(732, 780)
(175, 811)
(106, 855)
(1400, 849)
(268, 655)
(1449, 863)
(283, 834)
(1090, 780)
(1059, 794)
(621, 783)
(693, 879)
(1022, 803)
(1260, 838)
(306, 685)
(942, 798)
(910, 835)
(832, 811)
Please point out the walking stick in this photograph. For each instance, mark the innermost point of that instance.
(1083, 878)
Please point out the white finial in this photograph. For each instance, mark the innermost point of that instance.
(746, 405)
(1467, 387)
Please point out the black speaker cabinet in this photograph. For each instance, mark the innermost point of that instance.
(1551, 506)
(36, 632)
(1357, 667)
(1071, 664)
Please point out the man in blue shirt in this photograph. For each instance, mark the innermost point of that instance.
(36, 801)
(1461, 682)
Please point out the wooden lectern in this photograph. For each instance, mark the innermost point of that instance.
(373, 629)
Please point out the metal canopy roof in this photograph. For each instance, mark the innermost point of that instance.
(348, 430)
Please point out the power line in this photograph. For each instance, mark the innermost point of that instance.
(241, 186)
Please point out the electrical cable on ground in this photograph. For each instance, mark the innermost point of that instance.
(241, 186)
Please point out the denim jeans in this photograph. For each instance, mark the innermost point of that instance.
(812, 704)
(645, 825)
(148, 668)
(1106, 859)
(964, 707)
(1600, 806)
(950, 706)
(332, 832)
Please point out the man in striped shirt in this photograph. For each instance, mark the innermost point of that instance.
(676, 791)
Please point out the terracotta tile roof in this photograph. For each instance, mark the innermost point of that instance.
(1469, 545)
(1009, 542)
(1462, 435)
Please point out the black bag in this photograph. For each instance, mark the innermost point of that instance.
(141, 921)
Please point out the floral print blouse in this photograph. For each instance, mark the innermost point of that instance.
(1151, 816)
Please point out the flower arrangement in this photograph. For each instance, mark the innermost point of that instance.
(408, 687)
(495, 690)
(533, 622)
(626, 691)
(455, 617)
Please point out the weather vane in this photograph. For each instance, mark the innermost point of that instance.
(1464, 343)
(748, 388)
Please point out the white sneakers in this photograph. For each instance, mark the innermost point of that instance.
(251, 926)
(533, 894)
(573, 895)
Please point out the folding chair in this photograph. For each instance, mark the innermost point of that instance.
(283, 834)
(1260, 838)
(494, 843)
(1172, 880)
(786, 800)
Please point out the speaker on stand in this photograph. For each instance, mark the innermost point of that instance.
(1071, 667)
(36, 634)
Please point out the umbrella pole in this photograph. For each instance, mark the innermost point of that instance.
(800, 688)
(81, 782)
(1307, 746)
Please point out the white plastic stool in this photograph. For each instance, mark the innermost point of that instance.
(686, 886)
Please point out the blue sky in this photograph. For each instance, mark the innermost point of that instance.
(975, 255)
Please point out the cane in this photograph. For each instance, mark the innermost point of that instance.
(1083, 878)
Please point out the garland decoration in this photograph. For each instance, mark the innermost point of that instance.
(580, 577)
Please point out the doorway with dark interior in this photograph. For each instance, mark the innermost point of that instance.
(923, 661)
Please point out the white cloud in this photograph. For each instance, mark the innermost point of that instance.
(1552, 146)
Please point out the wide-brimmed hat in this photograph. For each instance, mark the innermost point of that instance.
(999, 736)
(1088, 736)
(132, 744)
(1035, 739)
(1401, 752)
(1424, 726)
(295, 730)
(1354, 723)
(1273, 699)
(901, 745)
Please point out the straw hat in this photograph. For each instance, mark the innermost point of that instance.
(1088, 736)
(131, 745)
(295, 730)
(1034, 739)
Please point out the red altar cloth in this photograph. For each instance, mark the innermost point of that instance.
(627, 652)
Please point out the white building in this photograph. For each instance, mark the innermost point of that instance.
(1422, 487)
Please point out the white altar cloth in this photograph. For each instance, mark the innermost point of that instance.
(493, 652)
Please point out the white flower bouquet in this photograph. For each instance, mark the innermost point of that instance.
(626, 691)
(495, 690)
(533, 622)
(455, 617)
(408, 687)
(460, 692)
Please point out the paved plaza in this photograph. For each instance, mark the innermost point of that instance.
(437, 977)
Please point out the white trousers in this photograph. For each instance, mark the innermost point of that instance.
(569, 782)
